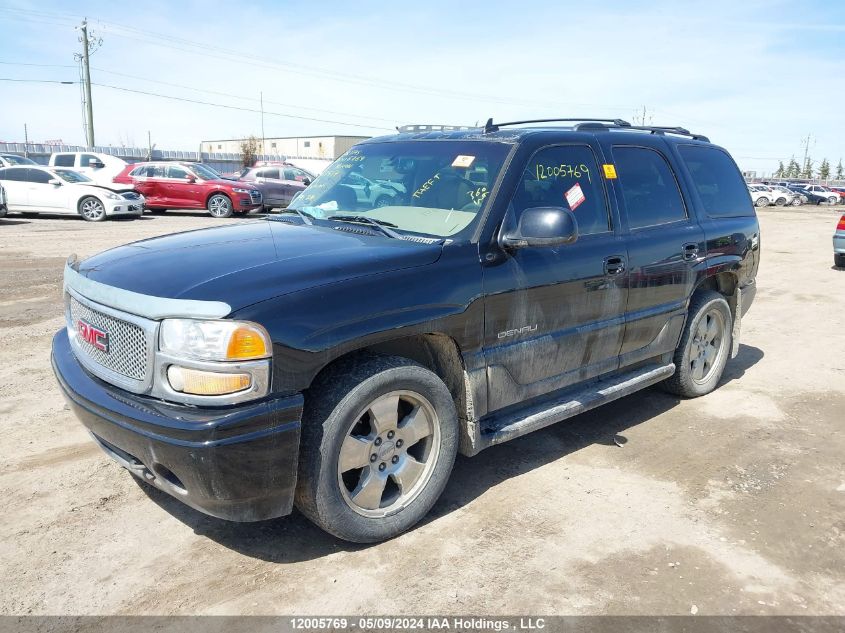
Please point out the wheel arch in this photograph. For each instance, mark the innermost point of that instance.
(216, 192)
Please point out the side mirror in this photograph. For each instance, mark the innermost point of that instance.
(191, 178)
(541, 227)
(55, 182)
(306, 181)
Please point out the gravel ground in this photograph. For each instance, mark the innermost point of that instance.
(729, 504)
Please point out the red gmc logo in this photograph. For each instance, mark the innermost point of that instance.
(93, 335)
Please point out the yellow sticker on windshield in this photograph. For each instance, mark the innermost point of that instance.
(463, 161)
(609, 171)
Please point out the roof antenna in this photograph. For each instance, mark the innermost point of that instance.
(490, 127)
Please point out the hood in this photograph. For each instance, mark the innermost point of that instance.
(246, 263)
(230, 182)
(114, 186)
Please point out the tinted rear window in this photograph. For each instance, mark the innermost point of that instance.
(649, 187)
(64, 160)
(717, 179)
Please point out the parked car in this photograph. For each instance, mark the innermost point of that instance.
(839, 189)
(812, 198)
(338, 358)
(373, 194)
(783, 196)
(101, 168)
(825, 192)
(170, 185)
(58, 190)
(760, 195)
(3, 208)
(10, 160)
(839, 244)
(278, 184)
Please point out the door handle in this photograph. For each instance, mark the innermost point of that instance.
(690, 252)
(614, 265)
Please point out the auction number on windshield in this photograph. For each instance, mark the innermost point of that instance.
(564, 170)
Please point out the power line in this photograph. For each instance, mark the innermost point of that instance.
(239, 108)
(38, 81)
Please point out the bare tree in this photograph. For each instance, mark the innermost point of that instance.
(249, 151)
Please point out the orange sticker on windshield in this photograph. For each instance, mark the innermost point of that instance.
(575, 196)
(463, 161)
(609, 171)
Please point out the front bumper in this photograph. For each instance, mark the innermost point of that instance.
(236, 463)
(125, 206)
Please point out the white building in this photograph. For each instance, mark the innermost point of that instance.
(327, 147)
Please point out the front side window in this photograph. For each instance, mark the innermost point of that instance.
(718, 181)
(649, 188)
(86, 159)
(417, 186)
(38, 175)
(64, 160)
(205, 172)
(565, 176)
(176, 172)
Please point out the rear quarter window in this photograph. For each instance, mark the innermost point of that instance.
(718, 181)
(64, 160)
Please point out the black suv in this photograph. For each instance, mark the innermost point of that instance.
(338, 355)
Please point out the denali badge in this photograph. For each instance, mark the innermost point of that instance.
(525, 329)
(93, 335)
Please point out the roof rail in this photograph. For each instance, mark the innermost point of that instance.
(654, 129)
(433, 128)
(494, 127)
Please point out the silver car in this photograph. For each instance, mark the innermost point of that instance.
(839, 244)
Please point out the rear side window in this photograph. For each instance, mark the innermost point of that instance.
(718, 181)
(649, 188)
(64, 160)
(12, 174)
(268, 173)
(564, 176)
(37, 175)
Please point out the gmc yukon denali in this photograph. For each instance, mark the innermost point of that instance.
(338, 356)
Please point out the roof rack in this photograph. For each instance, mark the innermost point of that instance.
(434, 128)
(494, 127)
(654, 129)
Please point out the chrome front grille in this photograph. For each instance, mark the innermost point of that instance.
(128, 361)
(255, 196)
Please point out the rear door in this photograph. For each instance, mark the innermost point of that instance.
(555, 316)
(149, 181)
(273, 188)
(17, 192)
(665, 243)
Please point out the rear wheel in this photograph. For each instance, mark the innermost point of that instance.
(839, 260)
(92, 209)
(379, 438)
(382, 201)
(833, 200)
(220, 206)
(703, 352)
(780, 202)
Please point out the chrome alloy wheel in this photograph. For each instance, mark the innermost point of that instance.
(93, 209)
(388, 454)
(219, 206)
(708, 346)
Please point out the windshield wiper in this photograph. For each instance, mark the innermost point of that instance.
(306, 217)
(363, 219)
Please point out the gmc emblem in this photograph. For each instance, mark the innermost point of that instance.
(93, 335)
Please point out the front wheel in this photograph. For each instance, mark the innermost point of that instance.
(92, 209)
(833, 200)
(379, 438)
(762, 202)
(780, 202)
(220, 206)
(705, 345)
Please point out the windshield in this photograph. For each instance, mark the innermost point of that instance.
(18, 160)
(72, 176)
(436, 188)
(206, 173)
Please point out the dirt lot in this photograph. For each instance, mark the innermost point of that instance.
(730, 504)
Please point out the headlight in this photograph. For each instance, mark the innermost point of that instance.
(214, 340)
(113, 196)
(240, 190)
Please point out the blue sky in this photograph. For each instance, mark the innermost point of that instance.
(757, 77)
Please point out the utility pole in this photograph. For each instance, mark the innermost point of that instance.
(150, 146)
(263, 149)
(86, 84)
(25, 142)
(806, 142)
(642, 118)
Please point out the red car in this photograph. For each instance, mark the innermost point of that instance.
(169, 185)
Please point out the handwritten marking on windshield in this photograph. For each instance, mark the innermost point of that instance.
(428, 184)
(563, 170)
(478, 195)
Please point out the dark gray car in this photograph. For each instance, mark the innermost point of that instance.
(278, 183)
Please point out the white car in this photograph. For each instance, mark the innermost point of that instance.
(2, 201)
(8, 160)
(101, 168)
(59, 190)
(761, 195)
(783, 196)
(831, 196)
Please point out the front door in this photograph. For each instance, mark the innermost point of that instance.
(44, 197)
(555, 316)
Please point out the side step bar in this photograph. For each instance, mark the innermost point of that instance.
(499, 429)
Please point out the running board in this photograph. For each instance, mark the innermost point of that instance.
(501, 428)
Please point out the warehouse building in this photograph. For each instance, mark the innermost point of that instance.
(330, 147)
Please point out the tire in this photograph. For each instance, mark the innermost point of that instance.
(780, 202)
(92, 209)
(762, 201)
(220, 206)
(833, 200)
(382, 201)
(839, 260)
(345, 448)
(796, 202)
(706, 307)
